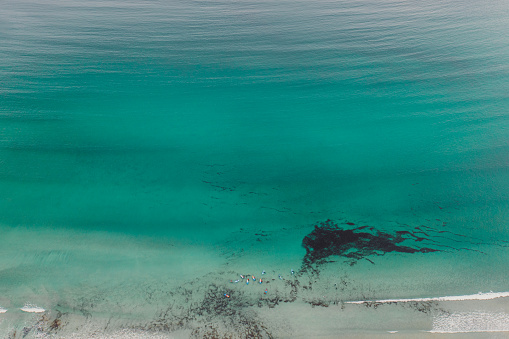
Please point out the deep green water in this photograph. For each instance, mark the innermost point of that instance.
(152, 124)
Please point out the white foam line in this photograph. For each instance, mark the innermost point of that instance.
(2, 310)
(478, 296)
(32, 309)
(467, 331)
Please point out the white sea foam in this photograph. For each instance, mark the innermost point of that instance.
(32, 309)
(478, 296)
(2, 310)
(464, 322)
(121, 334)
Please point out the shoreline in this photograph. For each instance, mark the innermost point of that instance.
(479, 296)
(291, 314)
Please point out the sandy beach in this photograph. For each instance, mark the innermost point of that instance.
(293, 315)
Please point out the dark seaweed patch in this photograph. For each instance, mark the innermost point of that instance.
(426, 307)
(207, 313)
(328, 239)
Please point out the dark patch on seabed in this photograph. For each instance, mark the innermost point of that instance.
(330, 239)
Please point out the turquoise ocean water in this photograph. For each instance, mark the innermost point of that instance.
(144, 144)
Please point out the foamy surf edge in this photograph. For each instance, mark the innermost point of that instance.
(467, 331)
(478, 296)
(32, 309)
(2, 310)
(470, 322)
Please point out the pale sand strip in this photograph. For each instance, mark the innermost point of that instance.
(478, 296)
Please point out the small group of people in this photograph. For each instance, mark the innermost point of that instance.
(253, 278)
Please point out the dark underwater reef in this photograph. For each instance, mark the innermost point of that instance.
(330, 239)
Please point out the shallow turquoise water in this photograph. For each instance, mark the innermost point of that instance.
(188, 122)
